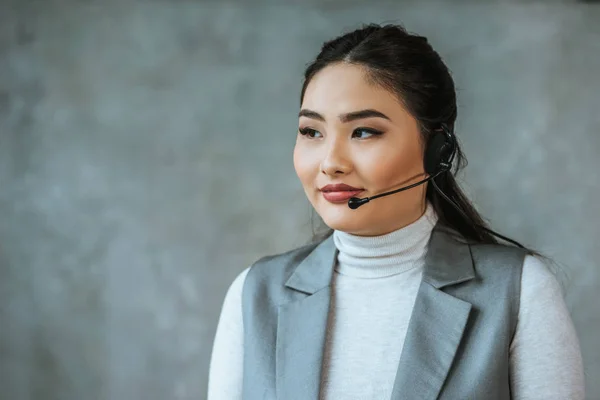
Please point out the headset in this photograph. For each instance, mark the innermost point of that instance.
(439, 155)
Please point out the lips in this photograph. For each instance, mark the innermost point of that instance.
(339, 193)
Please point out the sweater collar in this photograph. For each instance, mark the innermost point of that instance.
(385, 255)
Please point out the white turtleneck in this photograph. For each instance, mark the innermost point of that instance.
(373, 292)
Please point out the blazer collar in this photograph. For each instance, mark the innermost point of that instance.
(316, 270)
(447, 262)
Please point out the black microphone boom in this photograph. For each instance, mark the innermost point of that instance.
(356, 202)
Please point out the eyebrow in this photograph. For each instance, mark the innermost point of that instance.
(349, 117)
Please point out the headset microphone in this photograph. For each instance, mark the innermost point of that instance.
(356, 202)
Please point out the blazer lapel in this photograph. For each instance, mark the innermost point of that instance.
(437, 322)
(302, 323)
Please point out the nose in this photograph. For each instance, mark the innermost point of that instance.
(336, 160)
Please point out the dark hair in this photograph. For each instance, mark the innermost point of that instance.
(407, 65)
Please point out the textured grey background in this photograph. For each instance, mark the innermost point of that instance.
(145, 160)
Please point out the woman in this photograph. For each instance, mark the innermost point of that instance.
(411, 296)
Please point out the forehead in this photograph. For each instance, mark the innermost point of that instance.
(343, 87)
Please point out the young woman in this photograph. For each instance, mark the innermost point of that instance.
(411, 296)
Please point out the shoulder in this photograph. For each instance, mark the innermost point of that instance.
(231, 309)
(280, 264)
(274, 267)
(539, 284)
(492, 257)
(235, 289)
(267, 276)
(499, 265)
(495, 254)
(534, 271)
(537, 273)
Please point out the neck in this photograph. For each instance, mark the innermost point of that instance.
(410, 217)
(386, 254)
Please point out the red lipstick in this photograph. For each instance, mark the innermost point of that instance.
(339, 193)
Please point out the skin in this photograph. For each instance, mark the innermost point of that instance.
(334, 149)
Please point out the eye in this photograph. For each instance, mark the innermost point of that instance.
(309, 132)
(365, 133)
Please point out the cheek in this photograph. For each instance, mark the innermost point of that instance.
(304, 164)
(392, 168)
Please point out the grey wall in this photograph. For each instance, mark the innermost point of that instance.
(145, 160)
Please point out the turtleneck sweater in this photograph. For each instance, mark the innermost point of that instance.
(374, 288)
(371, 257)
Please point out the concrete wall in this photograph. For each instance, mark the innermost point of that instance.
(145, 160)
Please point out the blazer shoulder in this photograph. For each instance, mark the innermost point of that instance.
(278, 267)
(500, 268)
(278, 260)
(497, 253)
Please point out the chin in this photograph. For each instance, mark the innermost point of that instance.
(341, 217)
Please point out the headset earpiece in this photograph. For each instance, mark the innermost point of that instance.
(440, 150)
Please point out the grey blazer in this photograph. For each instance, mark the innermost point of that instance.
(458, 338)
